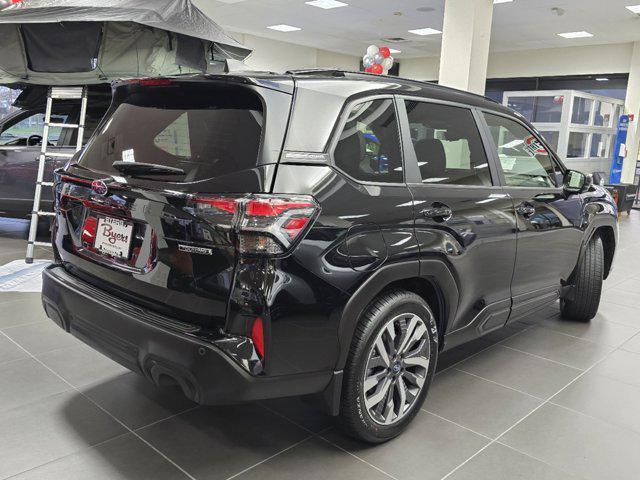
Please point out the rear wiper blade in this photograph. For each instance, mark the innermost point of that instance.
(143, 169)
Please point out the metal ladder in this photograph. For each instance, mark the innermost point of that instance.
(55, 93)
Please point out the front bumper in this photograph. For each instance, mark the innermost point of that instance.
(163, 350)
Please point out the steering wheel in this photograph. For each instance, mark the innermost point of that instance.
(34, 140)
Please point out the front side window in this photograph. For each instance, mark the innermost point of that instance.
(524, 159)
(447, 144)
(369, 146)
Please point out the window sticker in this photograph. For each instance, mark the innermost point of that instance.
(508, 163)
(575, 180)
(128, 156)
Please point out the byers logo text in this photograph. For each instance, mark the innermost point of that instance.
(114, 231)
(112, 236)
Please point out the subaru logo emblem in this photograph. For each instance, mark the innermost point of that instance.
(99, 187)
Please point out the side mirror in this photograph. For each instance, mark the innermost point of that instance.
(576, 182)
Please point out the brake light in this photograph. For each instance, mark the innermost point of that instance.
(272, 207)
(257, 335)
(263, 224)
(155, 82)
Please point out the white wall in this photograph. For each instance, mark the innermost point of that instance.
(420, 68)
(276, 56)
(614, 58)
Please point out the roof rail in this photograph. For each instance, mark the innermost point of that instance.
(336, 72)
(318, 71)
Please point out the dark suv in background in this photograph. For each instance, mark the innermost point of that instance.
(256, 236)
(21, 142)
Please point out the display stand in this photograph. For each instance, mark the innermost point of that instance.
(579, 126)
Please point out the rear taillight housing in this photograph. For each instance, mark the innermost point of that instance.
(262, 224)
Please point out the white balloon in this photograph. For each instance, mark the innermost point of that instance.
(372, 51)
(378, 58)
(388, 63)
(367, 61)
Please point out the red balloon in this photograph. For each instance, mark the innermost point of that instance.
(385, 52)
(369, 69)
(377, 69)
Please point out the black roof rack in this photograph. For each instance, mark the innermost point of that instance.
(336, 72)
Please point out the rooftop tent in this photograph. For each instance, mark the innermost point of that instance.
(77, 42)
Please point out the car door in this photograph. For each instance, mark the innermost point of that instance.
(20, 145)
(548, 220)
(464, 218)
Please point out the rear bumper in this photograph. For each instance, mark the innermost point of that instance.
(162, 350)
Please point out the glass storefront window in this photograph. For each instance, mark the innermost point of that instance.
(552, 138)
(538, 109)
(604, 114)
(523, 105)
(619, 112)
(577, 145)
(548, 109)
(581, 111)
(7, 97)
(600, 145)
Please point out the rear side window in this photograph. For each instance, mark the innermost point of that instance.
(369, 145)
(448, 145)
(207, 132)
(524, 160)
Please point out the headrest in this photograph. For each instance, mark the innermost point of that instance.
(350, 148)
(431, 158)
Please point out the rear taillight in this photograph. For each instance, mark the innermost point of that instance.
(263, 224)
(89, 230)
(257, 336)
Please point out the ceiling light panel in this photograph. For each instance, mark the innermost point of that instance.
(634, 8)
(580, 34)
(284, 28)
(327, 4)
(425, 31)
(496, 2)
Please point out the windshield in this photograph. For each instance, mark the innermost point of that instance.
(206, 132)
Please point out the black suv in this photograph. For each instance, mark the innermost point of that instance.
(253, 236)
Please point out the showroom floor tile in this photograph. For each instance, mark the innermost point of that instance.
(542, 399)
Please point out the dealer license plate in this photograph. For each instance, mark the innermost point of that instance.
(113, 237)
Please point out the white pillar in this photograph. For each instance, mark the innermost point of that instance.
(632, 106)
(465, 44)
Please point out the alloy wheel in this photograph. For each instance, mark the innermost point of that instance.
(397, 368)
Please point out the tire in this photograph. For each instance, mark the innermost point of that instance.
(410, 373)
(583, 305)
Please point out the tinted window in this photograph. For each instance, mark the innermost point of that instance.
(525, 161)
(205, 132)
(447, 145)
(32, 128)
(369, 145)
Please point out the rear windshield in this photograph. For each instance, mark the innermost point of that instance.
(207, 132)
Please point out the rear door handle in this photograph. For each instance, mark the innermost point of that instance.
(525, 209)
(438, 211)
